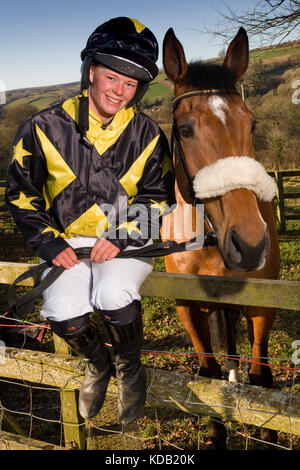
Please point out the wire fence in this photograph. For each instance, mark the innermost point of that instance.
(172, 419)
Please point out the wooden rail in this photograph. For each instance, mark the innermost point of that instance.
(228, 290)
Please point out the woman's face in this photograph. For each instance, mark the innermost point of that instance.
(109, 91)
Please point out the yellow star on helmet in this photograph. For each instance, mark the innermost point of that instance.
(130, 226)
(19, 153)
(24, 202)
(166, 165)
(161, 206)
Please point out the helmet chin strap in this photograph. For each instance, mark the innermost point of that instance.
(83, 117)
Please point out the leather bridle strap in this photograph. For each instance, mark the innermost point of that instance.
(176, 144)
(212, 91)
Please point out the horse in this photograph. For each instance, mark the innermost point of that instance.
(214, 163)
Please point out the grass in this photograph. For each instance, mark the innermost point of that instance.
(164, 333)
(157, 90)
(267, 54)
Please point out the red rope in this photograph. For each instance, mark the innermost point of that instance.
(23, 326)
(223, 357)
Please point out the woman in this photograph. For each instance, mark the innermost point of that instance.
(95, 171)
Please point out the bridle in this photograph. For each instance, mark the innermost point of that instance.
(176, 145)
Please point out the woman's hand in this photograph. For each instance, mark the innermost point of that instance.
(66, 258)
(103, 250)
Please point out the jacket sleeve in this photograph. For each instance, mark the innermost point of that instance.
(26, 176)
(155, 198)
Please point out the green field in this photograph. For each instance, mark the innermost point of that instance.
(158, 90)
(267, 54)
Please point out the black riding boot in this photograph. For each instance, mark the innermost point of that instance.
(127, 341)
(89, 345)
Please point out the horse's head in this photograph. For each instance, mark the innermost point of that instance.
(213, 130)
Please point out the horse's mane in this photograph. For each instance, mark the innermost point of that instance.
(206, 75)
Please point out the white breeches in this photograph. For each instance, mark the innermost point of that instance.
(107, 286)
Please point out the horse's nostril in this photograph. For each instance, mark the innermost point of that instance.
(235, 241)
(235, 248)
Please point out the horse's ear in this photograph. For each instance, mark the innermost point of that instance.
(237, 56)
(173, 57)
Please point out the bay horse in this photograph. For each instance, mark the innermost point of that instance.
(214, 163)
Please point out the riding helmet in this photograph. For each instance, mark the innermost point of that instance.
(124, 45)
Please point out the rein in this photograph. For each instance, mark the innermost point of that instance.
(25, 303)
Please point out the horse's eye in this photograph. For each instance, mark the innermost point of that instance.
(253, 125)
(186, 131)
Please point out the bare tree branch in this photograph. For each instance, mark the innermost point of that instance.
(270, 20)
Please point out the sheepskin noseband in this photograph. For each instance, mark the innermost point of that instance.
(231, 173)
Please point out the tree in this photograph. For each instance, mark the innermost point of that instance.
(272, 20)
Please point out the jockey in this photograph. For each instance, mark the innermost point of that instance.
(94, 171)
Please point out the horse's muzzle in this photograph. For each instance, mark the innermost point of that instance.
(240, 256)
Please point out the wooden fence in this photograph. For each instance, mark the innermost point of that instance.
(244, 403)
(282, 215)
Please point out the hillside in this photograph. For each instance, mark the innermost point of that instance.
(267, 87)
(275, 59)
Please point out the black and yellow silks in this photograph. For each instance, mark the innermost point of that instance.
(56, 185)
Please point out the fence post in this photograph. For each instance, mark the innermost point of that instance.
(74, 428)
(280, 198)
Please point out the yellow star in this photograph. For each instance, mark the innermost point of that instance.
(162, 206)
(24, 202)
(130, 226)
(166, 165)
(19, 153)
(53, 230)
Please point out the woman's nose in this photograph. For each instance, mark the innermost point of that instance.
(118, 88)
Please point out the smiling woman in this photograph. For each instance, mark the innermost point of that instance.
(109, 91)
(77, 173)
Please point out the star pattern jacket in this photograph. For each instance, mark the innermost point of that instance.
(119, 187)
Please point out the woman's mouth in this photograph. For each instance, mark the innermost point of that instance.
(113, 100)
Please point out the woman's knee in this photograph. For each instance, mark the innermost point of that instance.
(113, 295)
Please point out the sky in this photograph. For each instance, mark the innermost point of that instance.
(41, 41)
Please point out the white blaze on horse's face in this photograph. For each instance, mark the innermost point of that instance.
(218, 106)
